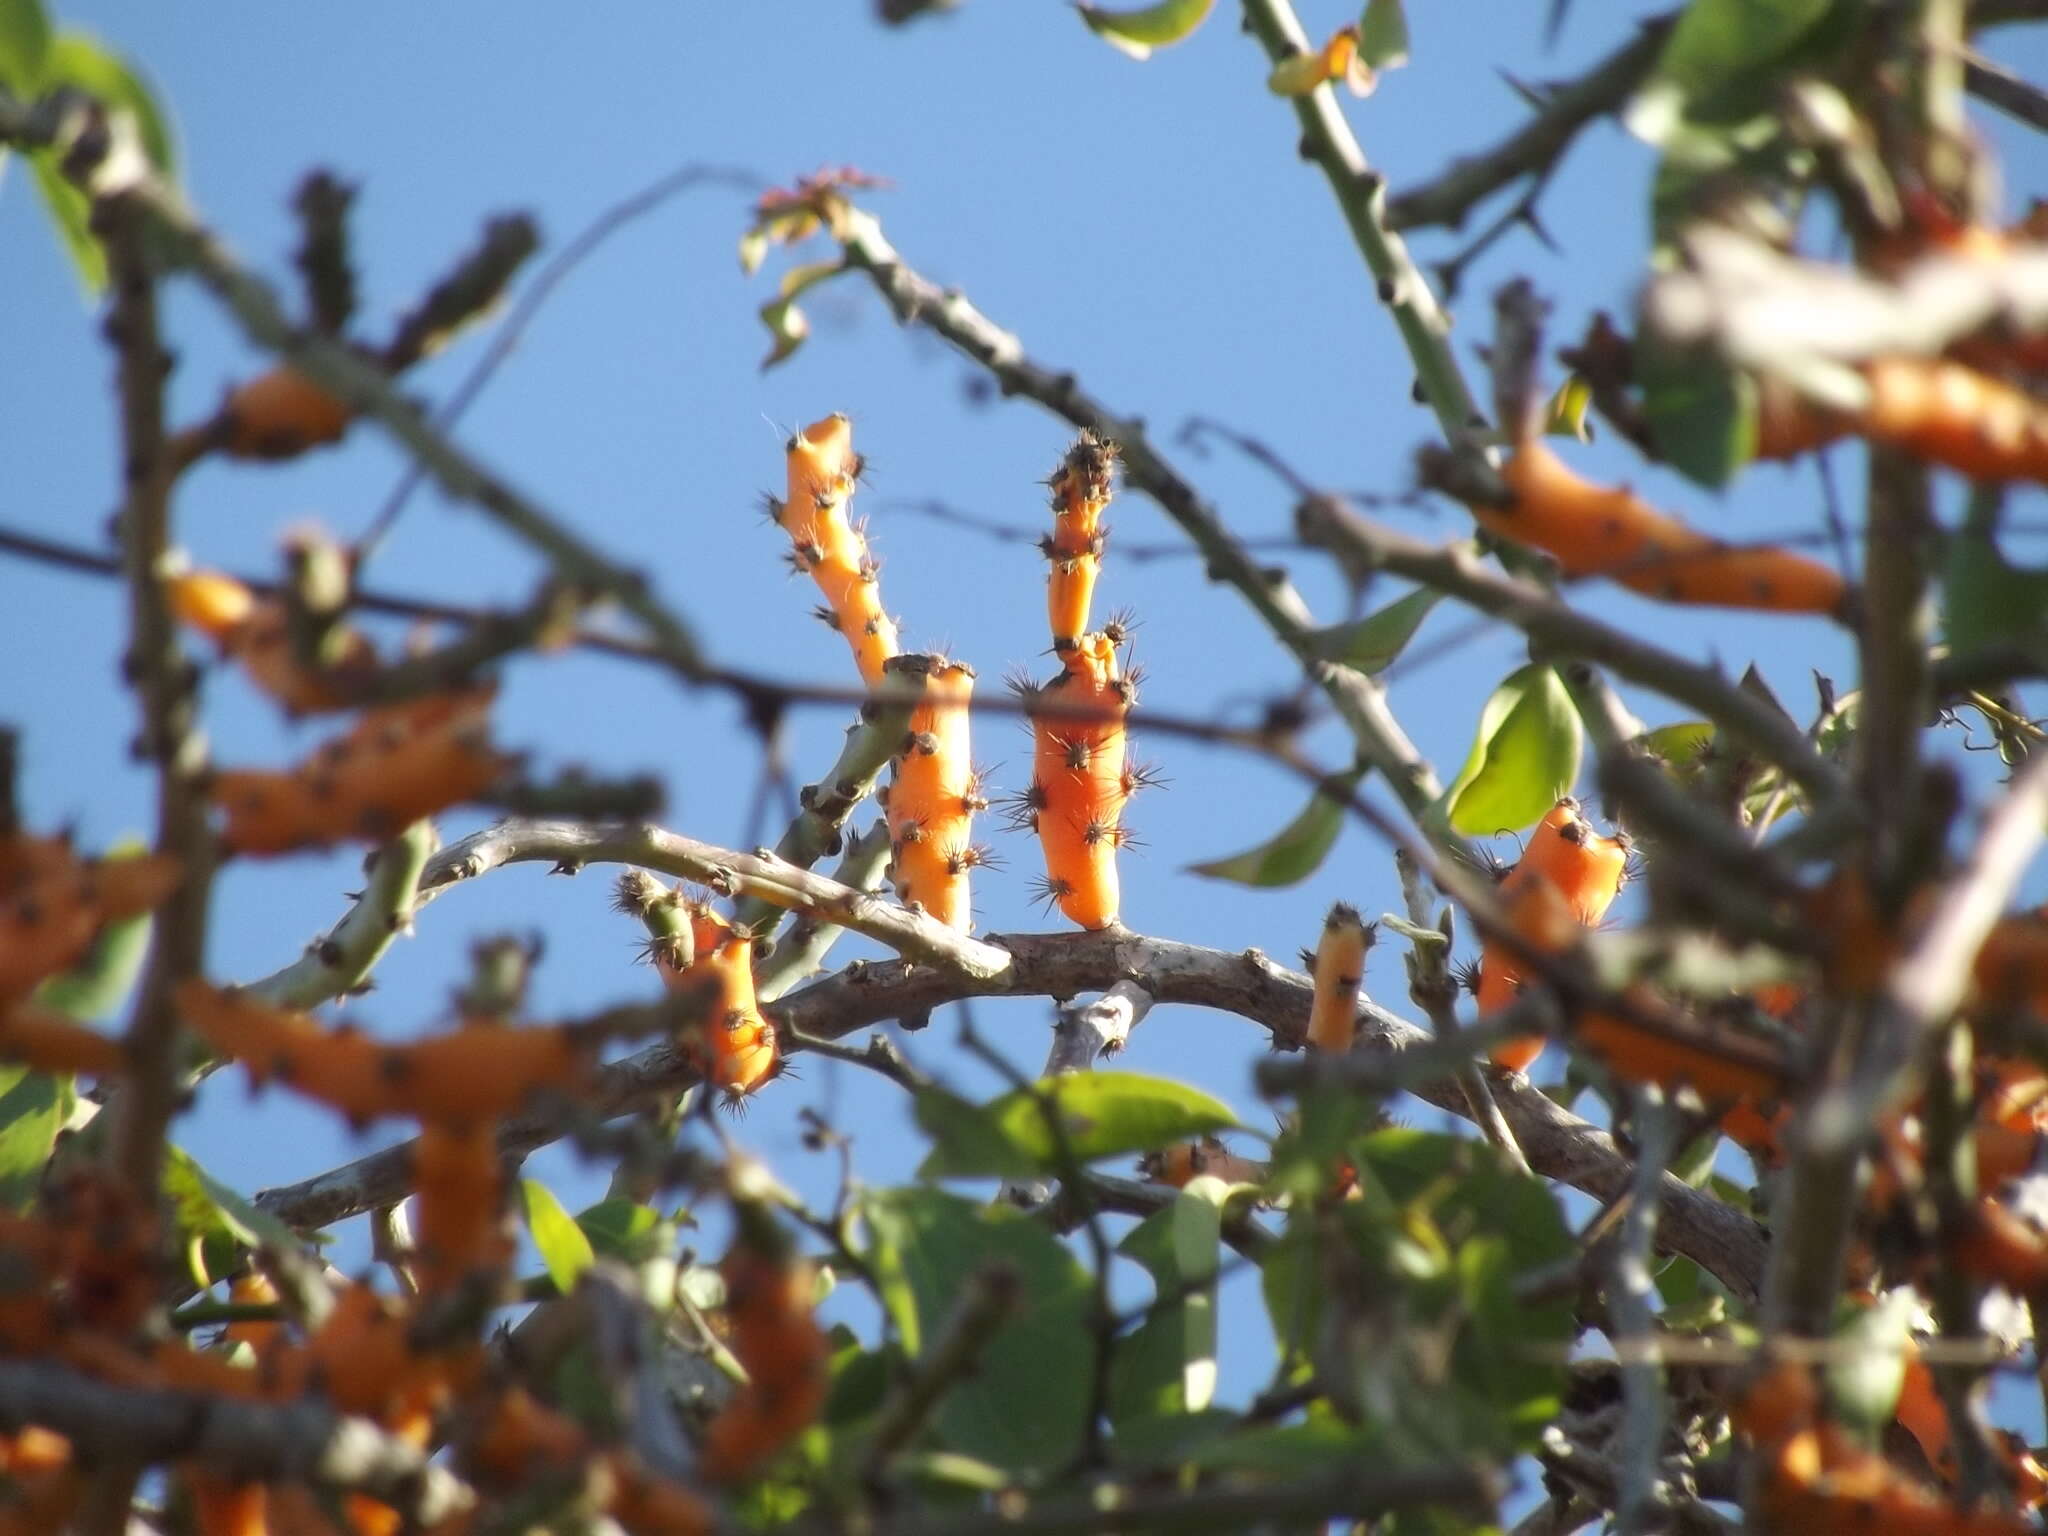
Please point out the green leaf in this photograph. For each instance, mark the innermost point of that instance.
(1167, 1366)
(1525, 755)
(1725, 61)
(100, 983)
(34, 1107)
(1987, 601)
(788, 325)
(1102, 1114)
(24, 45)
(71, 213)
(627, 1231)
(1701, 412)
(564, 1248)
(1137, 32)
(1383, 34)
(218, 1224)
(1565, 416)
(78, 58)
(1294, 852)
(1371, 644)
(1867, 1369)
(1678, 746)
(1024, 1406)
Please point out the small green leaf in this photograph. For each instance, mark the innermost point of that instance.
(564, 1248)
(1383, 34)
(627, 1231)
(78, 58)
(24, 45)
(1565, 416)
(100, 983)
(34, 1107)
(1373, 642)
(1525, 755)
(1293, 853)
(1724, 61)
(1137, 32)
(221, 1223)
(1101, 1114)
(1987, 601)
(1022, 1408)
(1867, 1369)
(788, 325)
(71, 213)
(1168, 1365)
(1701, 413)
(1678, 746)
(753, 250)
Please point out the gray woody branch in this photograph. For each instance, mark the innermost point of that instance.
(1557, 1143)
(294, 1442)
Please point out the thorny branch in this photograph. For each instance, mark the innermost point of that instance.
(164, 680)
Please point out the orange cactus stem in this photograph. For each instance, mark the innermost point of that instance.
(1185, 1160)
(479, 1072)
(934, 795)
(735, 1047)
(823, 472)
(1946, 412)
(1594, 530)
(396, 766)
(1339, 972)
(773, 1334)
(1583, 868)
(46, 1041)
(53, 904)
(1081, 488)
(279, 415)
(1081, 779)
(460, 1197)
(254, 633)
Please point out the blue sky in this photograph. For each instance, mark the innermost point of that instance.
(1146, 225)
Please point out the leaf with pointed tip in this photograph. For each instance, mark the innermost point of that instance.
(1167, 1367)
(24, 45)
(1023, 1406)
(1383, 34)
(34, 1107)
(564, 1247)
(1525, 754)
(1101, 1114)
(1372, 643)
(1293, 853)
(1137, 32)
(1565, 416)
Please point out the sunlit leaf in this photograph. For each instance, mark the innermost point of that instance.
(1373, 642)
(1100, 1114)
(1867, 1367)
(1383, 34)
(1678, 746)
(626, 1230)
(1293, 853)
(1023, 1405)
(24, 45)
(71, 213)
(78, 58)
(1724, 61)
(1987, 601)
(1525, 755)
(788, 325)
(1137, 32)
(1167, 1367)
(1565, 416)
(34, 1107)
(217, 1223)
(564, 1248)
(1701, 412)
